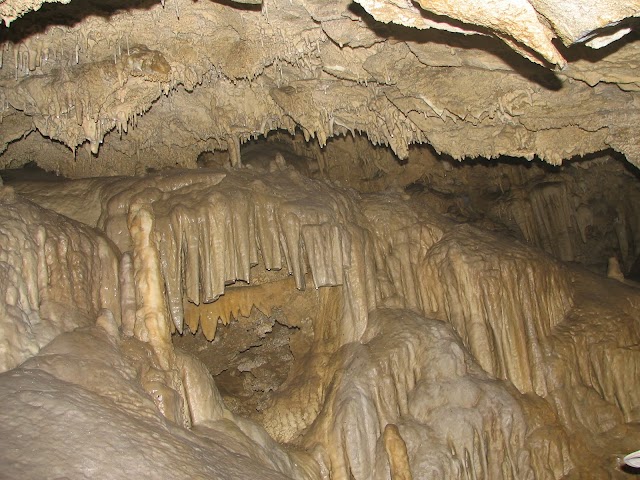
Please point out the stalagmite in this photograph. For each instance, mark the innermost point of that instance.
(396, 451)
(152, 324)
(505, 328)
(127, 294)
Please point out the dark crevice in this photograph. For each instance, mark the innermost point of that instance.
(245, 5)
(580, 51)
(66, 15)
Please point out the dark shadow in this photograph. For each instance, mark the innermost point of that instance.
(631, 470)
(69, 15)
(414, 149)
(66, 15)
(29, 172)
(519, 162)
(542, 75)
(240, 5)
(536, 162)
(610, 152)
(580, 51)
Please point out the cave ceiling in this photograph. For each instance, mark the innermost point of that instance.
(123, 86)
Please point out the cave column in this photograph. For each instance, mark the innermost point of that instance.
(152, 321)
(233, 145)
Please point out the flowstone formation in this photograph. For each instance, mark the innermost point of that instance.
(351, 335)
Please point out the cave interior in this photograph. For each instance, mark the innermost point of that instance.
(315, 239)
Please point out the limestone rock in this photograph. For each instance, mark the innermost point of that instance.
(130, 97)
